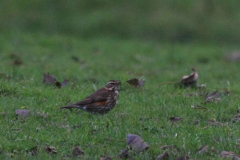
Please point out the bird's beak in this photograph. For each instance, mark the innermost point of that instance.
(119, 82)
(119, 85)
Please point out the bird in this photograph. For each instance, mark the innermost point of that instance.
(100, 102)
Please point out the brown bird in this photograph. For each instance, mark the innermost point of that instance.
(100, 102)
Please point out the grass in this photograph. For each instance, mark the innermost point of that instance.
(145, 111)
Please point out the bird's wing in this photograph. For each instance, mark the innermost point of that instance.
(98, 96)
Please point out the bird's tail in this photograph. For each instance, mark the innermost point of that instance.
(70, 106)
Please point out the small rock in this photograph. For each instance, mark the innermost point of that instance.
(22, 112)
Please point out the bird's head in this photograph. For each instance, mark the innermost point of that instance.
(113, 85)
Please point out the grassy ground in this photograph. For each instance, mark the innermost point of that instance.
(145, 111)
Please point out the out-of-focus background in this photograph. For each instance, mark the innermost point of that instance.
(165, 20)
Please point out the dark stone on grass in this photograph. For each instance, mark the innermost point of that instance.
(136, 143)
(22, 112)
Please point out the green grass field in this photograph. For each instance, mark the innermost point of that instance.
(145, 112)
